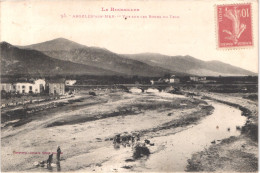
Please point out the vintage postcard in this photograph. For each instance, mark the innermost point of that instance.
(129, 86)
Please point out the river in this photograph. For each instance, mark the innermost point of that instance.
(179, 147)
(85, 146)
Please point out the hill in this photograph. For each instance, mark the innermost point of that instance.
(67, 50)
(145, 64)
(31, 62)
(190, 65)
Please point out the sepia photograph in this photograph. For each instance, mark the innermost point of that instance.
(129, 86)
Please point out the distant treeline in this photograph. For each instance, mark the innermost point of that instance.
(234, 79)
(110, 80)
(107, 80)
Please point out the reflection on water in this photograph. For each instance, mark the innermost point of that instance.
(58, 166)
(51, 167)
(223, 123)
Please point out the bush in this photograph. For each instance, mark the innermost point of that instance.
(92, 93)
(140, 150)
(253, 97)
(251, 130)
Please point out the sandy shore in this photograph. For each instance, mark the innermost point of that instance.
(84, 131)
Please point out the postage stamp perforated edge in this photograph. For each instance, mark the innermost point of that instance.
(217, 26)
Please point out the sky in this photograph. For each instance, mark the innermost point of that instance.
(192, 31)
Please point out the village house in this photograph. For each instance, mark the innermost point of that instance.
(161, 81)
(31, 86)
(166, 80)
(174, 79)
(70, 82)
(170, 80)
(197, 78)
(23, 86)
(56, 87)
(7, 87)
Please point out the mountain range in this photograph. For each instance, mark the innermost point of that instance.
(190, 65)
(62, 56)
(16, 61)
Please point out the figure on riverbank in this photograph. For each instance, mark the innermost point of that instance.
(58, 153)
(49, 161)
(117, 139)
(138, 137)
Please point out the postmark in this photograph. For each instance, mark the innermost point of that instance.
(234, 25)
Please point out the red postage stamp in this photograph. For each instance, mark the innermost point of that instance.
(234, 25)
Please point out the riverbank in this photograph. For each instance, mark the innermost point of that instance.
(235, 153)
(20, 115)
(178, 128)
(84, 131)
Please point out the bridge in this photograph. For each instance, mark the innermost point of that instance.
(160, 87)
(123, 86)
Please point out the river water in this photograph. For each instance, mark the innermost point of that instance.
(180, 146)
(172, 151)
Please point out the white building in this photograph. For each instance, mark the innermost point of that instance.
(36, 86)
(70, 82)
(197, 78)
(174, 79)
(7, 87)
(39, 85)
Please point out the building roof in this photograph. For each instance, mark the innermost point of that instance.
(14, 80)
(58, 80)
(18, 80)
(6, 80)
